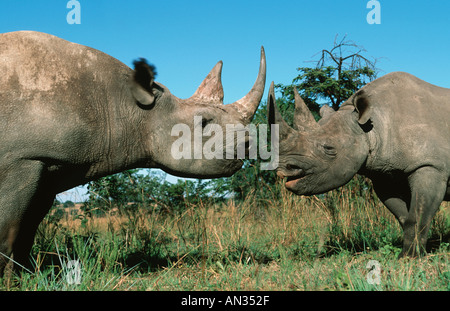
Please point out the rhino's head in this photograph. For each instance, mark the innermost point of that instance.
(319, 156)
(188, 136)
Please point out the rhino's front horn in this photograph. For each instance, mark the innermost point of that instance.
(274, 114)
(248, 104)
(210, 90)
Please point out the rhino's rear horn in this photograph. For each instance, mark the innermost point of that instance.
(142, 82)
(210, 90)
(303, 118)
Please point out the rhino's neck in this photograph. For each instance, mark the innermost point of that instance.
(126, 138)
(370, 137)
(363, 140)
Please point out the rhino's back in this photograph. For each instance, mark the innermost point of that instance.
(54, 94)
(34, 61)
(411, 122)
(403, 93)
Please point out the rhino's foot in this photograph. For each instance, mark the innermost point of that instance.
(412, 252)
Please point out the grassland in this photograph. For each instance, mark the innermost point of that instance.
(289, 244)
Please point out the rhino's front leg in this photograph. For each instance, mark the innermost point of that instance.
(428, 187)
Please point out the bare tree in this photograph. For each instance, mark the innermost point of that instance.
(337, 74)
(346, 55)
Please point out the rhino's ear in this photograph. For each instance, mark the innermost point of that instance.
(363, 107)
(142, 82)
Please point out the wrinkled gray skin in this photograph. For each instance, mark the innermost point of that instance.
(70, 114)
(395, 130)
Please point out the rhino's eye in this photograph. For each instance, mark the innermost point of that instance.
(157, 90)
(205, 122)
(329, 150)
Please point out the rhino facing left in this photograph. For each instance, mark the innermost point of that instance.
(395, 131)
(70, 114)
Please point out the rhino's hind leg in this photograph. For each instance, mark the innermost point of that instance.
(428, 188)
(447, 195)
(20, 213)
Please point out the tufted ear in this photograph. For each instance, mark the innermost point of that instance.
(142, 82)
(363, 107)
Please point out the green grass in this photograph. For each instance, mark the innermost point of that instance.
(295, 243)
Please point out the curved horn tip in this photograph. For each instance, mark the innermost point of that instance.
(271, 105)
(248, 104)
(218, 66)
(272, 89)
(216, 71)
(263, 57)
(298, 100)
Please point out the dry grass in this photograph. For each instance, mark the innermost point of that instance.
(295, 243)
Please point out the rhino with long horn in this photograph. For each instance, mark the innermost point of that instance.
(395, 130)
(70, 114)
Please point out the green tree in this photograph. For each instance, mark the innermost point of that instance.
(176, 197)
(145, 188)
(118, 190)
(339, 72)
(68, 203)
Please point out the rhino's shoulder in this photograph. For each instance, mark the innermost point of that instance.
(377, 91)
(392, 79)
(399, 82)
(26, 33)
(28, 37)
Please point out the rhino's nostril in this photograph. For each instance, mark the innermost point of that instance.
(293, 167)
(280, 174)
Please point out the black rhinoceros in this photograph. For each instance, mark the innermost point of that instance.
(395, 130)
(70, 114)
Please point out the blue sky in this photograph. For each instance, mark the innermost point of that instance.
(185, 39)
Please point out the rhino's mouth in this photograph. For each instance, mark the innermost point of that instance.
(293, 179)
